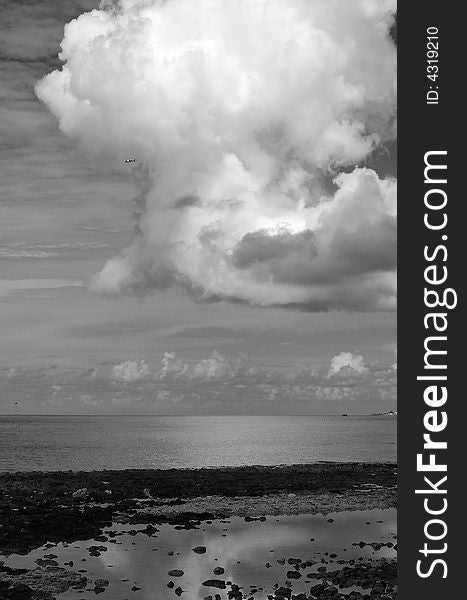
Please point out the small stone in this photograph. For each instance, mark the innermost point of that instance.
(217, 583)
(80, 494)
(283, 592)
(294, 574)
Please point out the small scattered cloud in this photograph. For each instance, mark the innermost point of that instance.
(130, 370)
(346, 363)
(215, 367)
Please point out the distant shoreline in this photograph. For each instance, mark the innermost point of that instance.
(191, 416)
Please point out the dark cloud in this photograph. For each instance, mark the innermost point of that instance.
(187, 201)
(262, 246)
(295, 258)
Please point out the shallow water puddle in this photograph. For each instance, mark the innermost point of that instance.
(248, 552)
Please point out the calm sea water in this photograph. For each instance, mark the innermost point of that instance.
(49, 443)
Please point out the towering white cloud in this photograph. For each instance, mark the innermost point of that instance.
(247, 119)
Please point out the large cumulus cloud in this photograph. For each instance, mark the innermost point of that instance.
(248, 120)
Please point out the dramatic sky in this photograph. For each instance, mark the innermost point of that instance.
(245, 262)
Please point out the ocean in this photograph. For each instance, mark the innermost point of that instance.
(86, 443)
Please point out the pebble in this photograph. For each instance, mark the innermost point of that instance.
(217, 583)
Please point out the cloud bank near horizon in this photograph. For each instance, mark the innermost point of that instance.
(213, 384)
(250, 123)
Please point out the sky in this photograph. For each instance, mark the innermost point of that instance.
(245, 262)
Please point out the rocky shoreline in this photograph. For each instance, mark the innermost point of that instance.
(36, 508)
(69, 506)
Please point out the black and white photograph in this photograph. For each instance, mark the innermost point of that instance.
(198, 336)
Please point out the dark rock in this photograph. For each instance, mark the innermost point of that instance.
(293, 574)
(46, 562)
(93, 549)
(218, 571)
(283, 592)
(176, 573)
(200, 549)
(99, 590)
(217, 583)
(317, 589)
(15, 591)
(235, 593)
